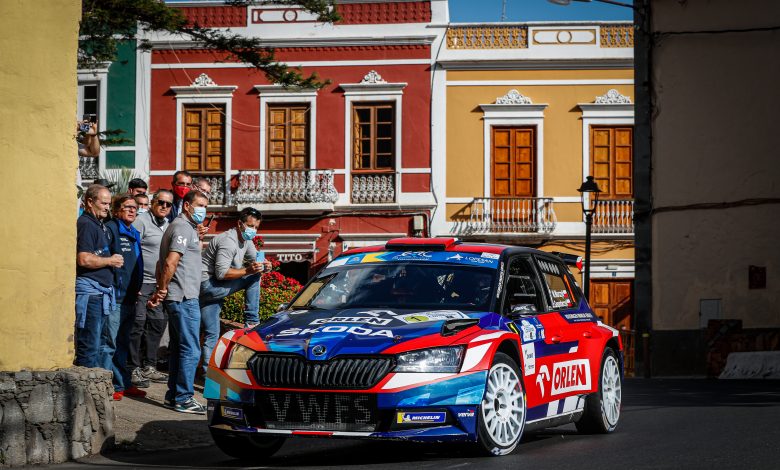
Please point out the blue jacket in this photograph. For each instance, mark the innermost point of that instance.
(127, 242)
(86, 287)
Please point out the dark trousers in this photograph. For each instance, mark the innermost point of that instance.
(148, 328)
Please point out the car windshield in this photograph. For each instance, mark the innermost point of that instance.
(399, 285)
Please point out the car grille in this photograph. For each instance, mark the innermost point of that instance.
(356, 412)
(292, 371)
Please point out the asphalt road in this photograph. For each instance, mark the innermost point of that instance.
(666, 423)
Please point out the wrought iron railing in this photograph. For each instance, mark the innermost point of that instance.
(373, 188)
(88, 167)
(614, 216)
(281, 186)
(510, 215)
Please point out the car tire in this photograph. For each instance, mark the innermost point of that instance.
(502, 413)
(246, 447)
(602, 408)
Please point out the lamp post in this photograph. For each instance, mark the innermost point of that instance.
(588, 188)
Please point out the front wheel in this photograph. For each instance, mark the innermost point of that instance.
(503, 409)
(602, 408)
(246, 447)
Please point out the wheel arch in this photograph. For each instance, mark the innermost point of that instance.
(613, 344)
(510, 348)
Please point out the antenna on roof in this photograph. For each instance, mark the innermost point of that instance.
(503, 10)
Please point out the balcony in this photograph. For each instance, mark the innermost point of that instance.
(219, 197)
(497, 216)
(614, 216)
(373, 188)
(279, 191)
(88, 167)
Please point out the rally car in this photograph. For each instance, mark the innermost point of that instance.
(426, 340)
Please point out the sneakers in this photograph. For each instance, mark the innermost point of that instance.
(134, 392)
(189, 406)
(117, 396)
(150, 373)
(138, 379)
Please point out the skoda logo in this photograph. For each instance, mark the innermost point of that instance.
(318, 350)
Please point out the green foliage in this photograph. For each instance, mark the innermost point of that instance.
(105, 23)
(275, 289)
(120, 177)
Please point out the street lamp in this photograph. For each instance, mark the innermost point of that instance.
(588, 188)
(611, 2)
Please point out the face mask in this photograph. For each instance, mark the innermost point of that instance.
(181, 191)
(142, 211)
(249, 233)
(198, 214)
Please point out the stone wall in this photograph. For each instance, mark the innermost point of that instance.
(54, 416)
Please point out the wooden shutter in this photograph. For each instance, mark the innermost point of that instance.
(204, 139)
(513, 161)
(611, 159)
(288, 130)
(373, 137)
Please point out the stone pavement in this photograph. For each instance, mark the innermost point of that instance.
(145, 425)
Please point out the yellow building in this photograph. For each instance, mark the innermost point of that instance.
(522, 113)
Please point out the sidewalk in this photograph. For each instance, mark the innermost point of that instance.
(145, 425)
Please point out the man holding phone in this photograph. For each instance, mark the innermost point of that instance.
(231, 263)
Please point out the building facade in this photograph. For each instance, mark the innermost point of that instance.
(530, 110)
(346, 165)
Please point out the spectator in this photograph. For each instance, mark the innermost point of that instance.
(203, 185)
(178, 284)
(126, 241)
(89, 145)
(137, 186)
(94, 275)
(143, 203)
(150, 323)
(224, 273)
(181, 185)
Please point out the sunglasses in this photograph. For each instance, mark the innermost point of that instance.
(164, 204)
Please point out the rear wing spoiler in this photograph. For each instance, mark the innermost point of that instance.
(570, 259)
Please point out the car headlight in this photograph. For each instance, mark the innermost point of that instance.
(238, 357)
(445, 360)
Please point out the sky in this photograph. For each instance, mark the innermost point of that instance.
(462, 11)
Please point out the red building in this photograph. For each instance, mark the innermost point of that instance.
(343, 166)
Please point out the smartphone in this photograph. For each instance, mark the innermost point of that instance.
(85, 124)
(260, 257)
(208, 222)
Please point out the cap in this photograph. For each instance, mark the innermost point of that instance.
(103, 182)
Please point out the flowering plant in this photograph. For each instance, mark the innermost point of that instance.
(275, 289)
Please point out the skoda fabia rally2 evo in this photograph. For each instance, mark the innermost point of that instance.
(426, 340)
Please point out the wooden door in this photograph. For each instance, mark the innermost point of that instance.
(613, 301)
(288, 131)
(611, 161)
(513, 163)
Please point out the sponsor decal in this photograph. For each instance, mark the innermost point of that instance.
(544, 375)
(233, 413)
(568, 376)
(529, 359)
(412, 255)
(403, 417)
(366, 320)
(355, 330)
(491, 255)
(436, 315)
(456, 257)
(560, 298)
(466, 414)
(529, 331)
(354, 259)
(578, 317)
(500, 280)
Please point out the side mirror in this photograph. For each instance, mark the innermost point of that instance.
(523, 309)
(282, 307)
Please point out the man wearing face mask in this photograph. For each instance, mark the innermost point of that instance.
(149, 325)
(178, 285)
(229, 265)
(181, 184)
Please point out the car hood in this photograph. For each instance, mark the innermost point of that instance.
(353, 331)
